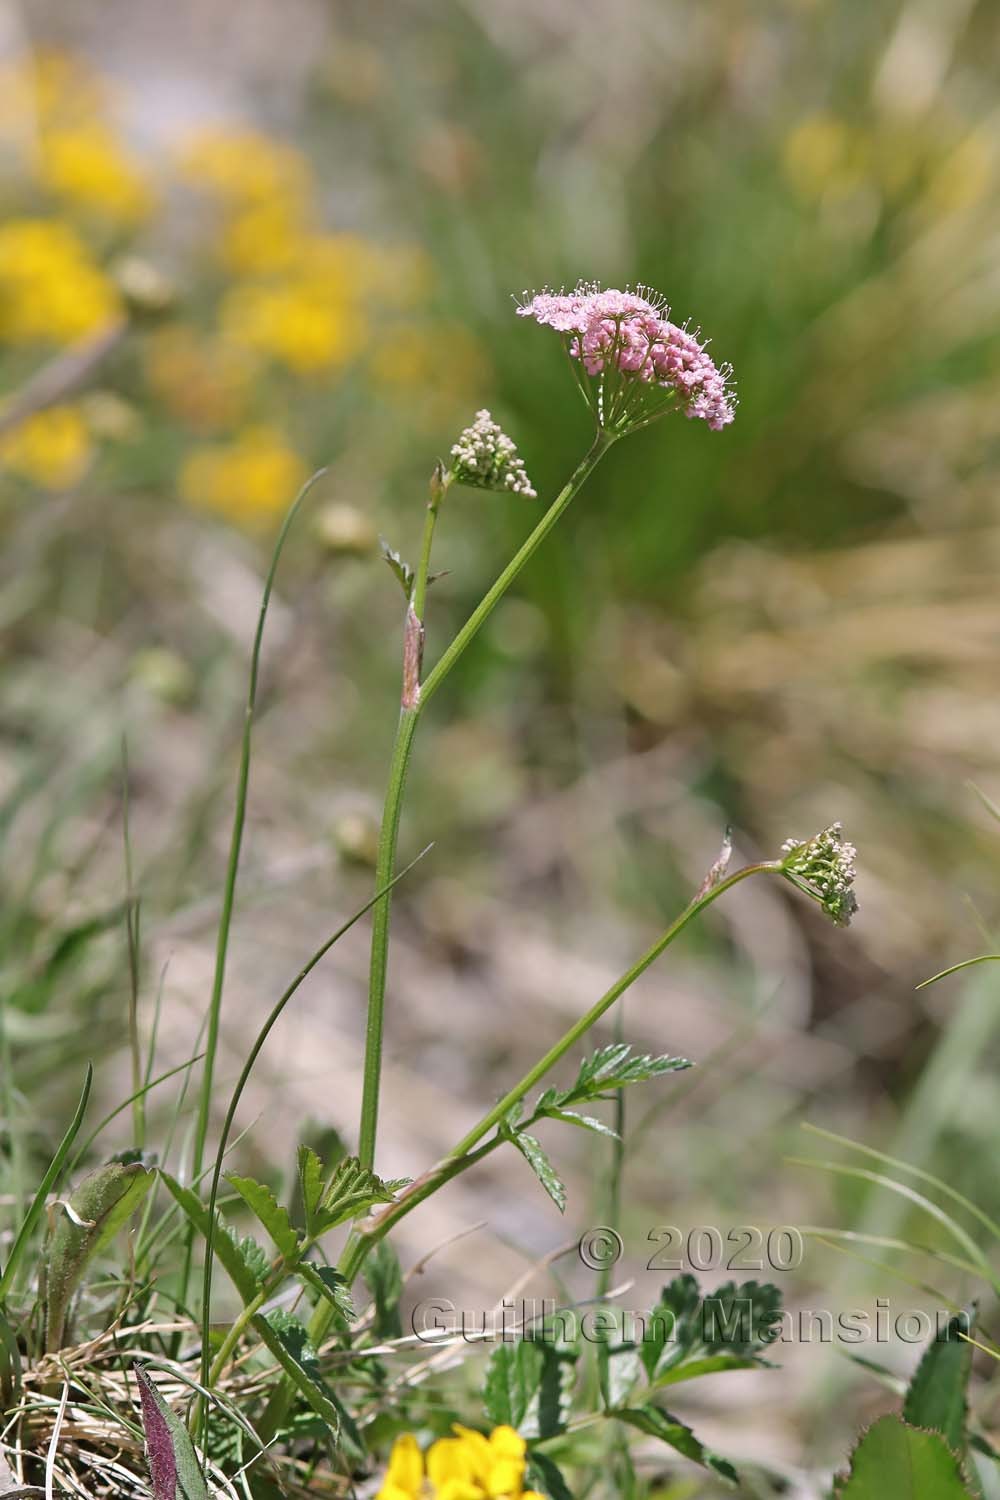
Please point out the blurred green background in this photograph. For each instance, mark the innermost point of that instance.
(289, 236)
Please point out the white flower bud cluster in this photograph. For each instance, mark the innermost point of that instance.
(486, 458)
(826, 864)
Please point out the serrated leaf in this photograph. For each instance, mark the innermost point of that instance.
(102, 1204)
(174, 1469)
(513, 1376)
(624, 1371)
(331, 1286)
(906, 1463)
(936, 1395)
(545, 1476)
(402, 571)
(241, 1258)
(660, 1424)
(312, 1180)
(353, 1190)
(610, 1068)
(259, 1198)
(288, 1341)
(543, 1169)
(735, 1321)
(384, 1277)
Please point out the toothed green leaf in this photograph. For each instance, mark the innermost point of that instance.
(543, 1169)
(904, 1463)
(274, 1218)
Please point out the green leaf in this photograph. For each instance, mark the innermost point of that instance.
(513, 1376)
(329, 1284)
(244, 1261)
(312, 1180)
(660, 1424)
(609, 1068)
(736, 1321)
(274, 1218)
(288, 1341)
(539, 1163)
(584, 1122)
(353, 1191)
(710, 1364)
(173, 1463)
(904, 1463)
(102, 1204)
(936, 1395)
(37, 1204)
(401, 570)
(545, 1476)
(384, 1277)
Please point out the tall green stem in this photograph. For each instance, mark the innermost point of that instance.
(414, 704)
(462, 1155)
(232, 869)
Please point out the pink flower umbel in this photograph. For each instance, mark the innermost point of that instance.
(631, 362)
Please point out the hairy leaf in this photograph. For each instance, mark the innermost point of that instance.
(102, 1204)
(609, 1068)
(353, 1190)
(173, 1464)
(904, 1463)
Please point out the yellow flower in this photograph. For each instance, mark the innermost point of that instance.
(249, 480)
(51, 289)
(468, 1466)
(242, 168)
(51, 449)
(88, 168)
(45, 87)
(308, 327)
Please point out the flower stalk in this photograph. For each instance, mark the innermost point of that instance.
(416, 696)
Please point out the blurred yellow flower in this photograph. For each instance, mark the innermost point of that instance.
(51, 449)
(308, 326)
(202, 381)
(249, 480)
(47, 87)
(468, 1466)
(51, 288)
(89, 169)
(243, 168)
(262, 239)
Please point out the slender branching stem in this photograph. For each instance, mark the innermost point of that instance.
(465, 1153)
(415, 699)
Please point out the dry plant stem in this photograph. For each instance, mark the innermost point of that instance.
(466, 1153)
(414, 704)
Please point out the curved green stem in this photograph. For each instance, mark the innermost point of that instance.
(415, 698)
(465, 1153)
(232, 868)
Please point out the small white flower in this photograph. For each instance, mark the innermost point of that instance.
(826, 865)
(487, 459)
